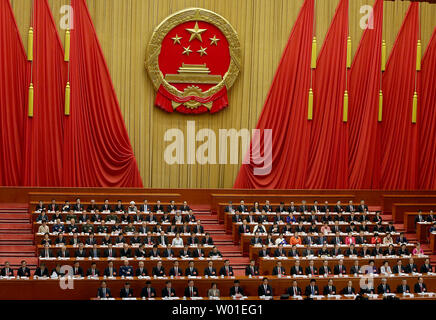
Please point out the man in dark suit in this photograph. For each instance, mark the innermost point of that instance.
(398, 268)
(210, 270)
(41, 271)
(265, 289)
(329, 288)
(411, 267)
(168, 291)
(78, 206)
(110, 252)
(383, 287)
(312, 288)
(158, 270)
(292, 207)
(7, 271)
(106, 206)
(148, 291)
(426, 267)
(296, 268)
(252, 269)
(126, 291)
(141, 271)
(420, 286)
(110, 271)
(349, 288)
(350, 207)
(340, 268)
(278, 269)
(242, 207)
(264, 252)
(162, 239)
(77, 269)
(294, 290)
(267, 207)
(191, 270)
(126, 270)
(236, 289)
(325, 269)
(244, 228)
(93, 271)
(311, 269)
(158, 207)
(176, 271)
(362, 206)
(226, 270)
(80, 252)
(304, 207)
(338, 207)
(104, 291)
(172, 206)
(403, 287)
(229, 207)
(53, 207)
(197, 252)
(23, 271)
(419, 217)
(190, 290)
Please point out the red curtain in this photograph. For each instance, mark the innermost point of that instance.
(328, 155)
(399, 135)
(44, 132)
(13, 97)
(427, 117)
(286, 108)
(97, 150)
(364, 147)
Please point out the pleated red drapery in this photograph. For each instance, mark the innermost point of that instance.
(328, 160)
(13, 97)
(97, 150)
(285, 111)
(44, 132)
(427, 117)
(364, 147)
(399, 134)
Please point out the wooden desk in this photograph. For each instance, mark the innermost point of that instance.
(254, 251)
(71, 249)
(102, 263)
(99, 237)
(245, 241)
(236, 236)
(86, 289)
(266, 265)
(228, 217)
(423, 232)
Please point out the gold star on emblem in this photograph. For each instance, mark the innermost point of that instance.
(202, 51)
(177, 39)
(214, 40)
(196, 32)
(187, 50)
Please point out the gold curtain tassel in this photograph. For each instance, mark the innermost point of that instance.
(310, 110)
(380, 106)
(345, 114)
(30, 114)
(415, 107)
(67, 99)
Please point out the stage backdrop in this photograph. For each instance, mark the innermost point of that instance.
(124, 28)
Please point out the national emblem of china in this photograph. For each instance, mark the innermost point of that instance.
(193, 59)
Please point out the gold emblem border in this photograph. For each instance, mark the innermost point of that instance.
(193, 14)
